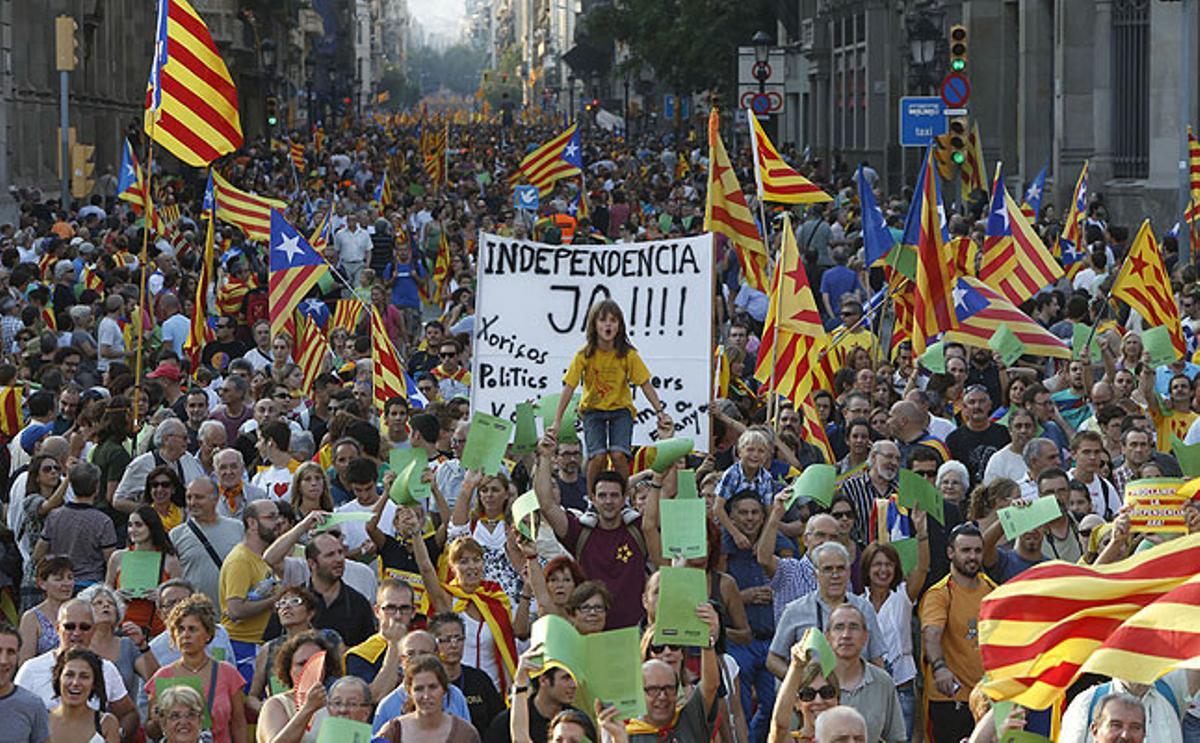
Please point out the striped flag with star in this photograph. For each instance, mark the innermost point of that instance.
(980, 311)
(777, 181)
(726, 212)
(925, 228)
(191, 102)
(561, 157)
(388, 376)
(1031, 205)
(1071, 243)
(295, 268)
(1144, 285)
(1015, 261)
(383, 192)
(131, 186)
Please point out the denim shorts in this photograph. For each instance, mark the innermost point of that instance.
(607, 431)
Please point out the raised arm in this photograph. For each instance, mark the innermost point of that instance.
(916, 579)
(650, 522)
(764, 551)
(543, 485)
(710, 670)
(785, 697)
(376, 535)
(462, 506)
(439, 597)
(282, 547)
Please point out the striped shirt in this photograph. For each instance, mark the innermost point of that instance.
(862, 494)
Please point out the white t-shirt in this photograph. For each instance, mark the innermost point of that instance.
(354, 533)
(1105, 497)
(108, 333)
(275, 480)
(1005, 463)
(35, 676)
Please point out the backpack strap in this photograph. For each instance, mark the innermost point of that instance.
(1102, 691)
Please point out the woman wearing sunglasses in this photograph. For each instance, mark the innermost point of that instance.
(805, 693)
(294, 608)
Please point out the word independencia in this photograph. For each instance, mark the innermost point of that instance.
(654, 259)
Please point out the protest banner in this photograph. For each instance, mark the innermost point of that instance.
(531, 307)
(1156, 505)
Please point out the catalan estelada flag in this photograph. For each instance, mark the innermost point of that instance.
(1071, 243)
(1031, 206)
(726, 211)
(1015, 261)
(933, 307)
(295, 268)
(131, 186)
(383, 191)
(191, 102)
(561, 157)
(972, 174)
(792, 356)
(980, 311)
(1144, 285)
(388, 377)
(1134, 619)
(249, 212)
(777, 181)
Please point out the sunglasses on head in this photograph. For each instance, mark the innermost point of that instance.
(807, 694)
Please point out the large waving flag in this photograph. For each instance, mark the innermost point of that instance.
(777, 181)
(388, 378)
(131, 186)
(316, 311)
(877, 238)
(1015, 262)
(561, 157)
(1071, 241)
(1144, 285)
(726, 211)
(191, 103)
(249, 212)
(980, 311)
(792, 356)
(295, 268)
(1031, 206)
(1133, 619)
(933, 307)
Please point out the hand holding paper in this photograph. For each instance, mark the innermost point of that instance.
(917, 491)
(1017, 520)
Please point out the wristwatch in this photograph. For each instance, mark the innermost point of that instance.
(520, 689)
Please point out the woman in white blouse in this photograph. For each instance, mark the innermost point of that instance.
(480, 512)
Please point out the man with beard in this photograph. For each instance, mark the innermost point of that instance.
(25, 716)
(248, 586)
(951, 633)
(978, 438)
(342, 608)
(878, 482)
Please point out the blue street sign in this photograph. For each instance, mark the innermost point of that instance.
(668, 106)
(525, 197)
(921, 119)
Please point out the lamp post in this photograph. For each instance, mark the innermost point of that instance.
(571, 98)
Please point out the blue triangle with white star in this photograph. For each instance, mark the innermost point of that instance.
(289, 249)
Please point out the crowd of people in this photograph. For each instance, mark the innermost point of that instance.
(170, 567)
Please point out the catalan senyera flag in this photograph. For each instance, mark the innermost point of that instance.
(191, 102)
(249, 212)
(296, 155)
(295, 268)
(199, 331)
(1144, 285)
(794, 339)
(1134, 619)
(561, 157)
(1071, 241)
(311, 347)
(388, 376)
(972, 174)
(1015, 261)
(726, 211)
(441, 268)
(980, 311)
(434, 159)
(933, 307)
(813, 430)
(777, 181)
(12, 416)
(346, 314)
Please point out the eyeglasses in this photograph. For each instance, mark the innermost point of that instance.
(289, 602)
(344, 704)
(51, 468)
(807, 694)
(842, 515)
(81, 626)
(446, 355)
(927, 474)
(451, 640)
(660, 691)
(396, 608)
(592, 609)
(969, 529)
(656, 649)
(282, 396)
(190, 714)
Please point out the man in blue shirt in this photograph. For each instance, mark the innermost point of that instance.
(391, 706)
(405, 275)
(836, 284)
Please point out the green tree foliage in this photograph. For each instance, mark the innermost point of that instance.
(454, 68)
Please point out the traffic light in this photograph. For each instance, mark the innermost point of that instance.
(958, 48)
(272, 110)
(66, 45)
(957, 129)
(83, 167)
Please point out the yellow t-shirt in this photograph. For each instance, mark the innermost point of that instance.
(607, 379)
(862, 337)
(1168, 422)
(956, 609)
(242, 571)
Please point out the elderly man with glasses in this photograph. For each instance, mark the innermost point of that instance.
(170, 450)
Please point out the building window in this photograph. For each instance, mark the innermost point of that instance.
(849, 81)
(1131, 88)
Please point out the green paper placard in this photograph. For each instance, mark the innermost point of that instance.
(907, 548)
(525, 435)
(524, 514)
(682, 526)
(1007, 344)
(934, 358)
(334, 519)
(1079, 338)
(1016, 521)
(343, 730)
(1157, 342)
(818, 482)
(409, 464)
(680, 591)
(599, 663)
(140, 571)
(1023, 736)
(487, 441)
(1188, 456)
(814, 641)
(903, 258)
(1000, 712)
(192, 682)
(548, 407)
(669, 451)
(916, 491)
(685, 485)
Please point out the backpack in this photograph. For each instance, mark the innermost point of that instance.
(1161, 686)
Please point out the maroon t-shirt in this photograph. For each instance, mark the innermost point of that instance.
(613, 557)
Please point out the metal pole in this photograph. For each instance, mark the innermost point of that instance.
(64, 136)
(1187, 68)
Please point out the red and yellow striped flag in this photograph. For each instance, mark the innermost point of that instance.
(1193, 212)
(726, 211)
(1132, 619)
(813, 430)
(777, 181)
(199, 331)
(296, 154)
(388, 374)
(1144, 285)
(346, 314)
(933, 307)
(311, 349)
(559, 158)
(1015, 261)
(191, 102)
(12, 416)
(972, 174)
(249, 212)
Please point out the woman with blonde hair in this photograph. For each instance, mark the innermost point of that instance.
(181, 710)
(310, 490)
(481, 512)
(806, 692)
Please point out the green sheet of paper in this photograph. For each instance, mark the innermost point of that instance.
(903, 258)
(814, 641)
(192, 682)
(1016, 521)
(680, 591)
(343, 730)
(140, 570)
(599, 663)
(525, 514)
(664, 222)
(669, 451)
(1188, 456)
(682, 526)
(1079, 338)
(334, 519)
(525, 435)
(409, 465)
(1006, 343)
(817, 481)
(934, 358)
(1023, 736)
(487, 441)
(562, 646)
(548, 406)
(917, 491)
(685, 485)
(1157, 342)
(1000, 712)
(908, 554)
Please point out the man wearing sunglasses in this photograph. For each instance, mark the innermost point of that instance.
(864, 686)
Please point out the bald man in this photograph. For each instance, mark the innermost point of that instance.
(840, 725)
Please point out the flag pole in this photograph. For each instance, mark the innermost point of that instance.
(148, 196)
(776, 287)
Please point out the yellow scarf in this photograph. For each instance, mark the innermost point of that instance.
(638, 726)
(493, 605)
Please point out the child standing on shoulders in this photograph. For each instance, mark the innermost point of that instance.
(607, 366)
